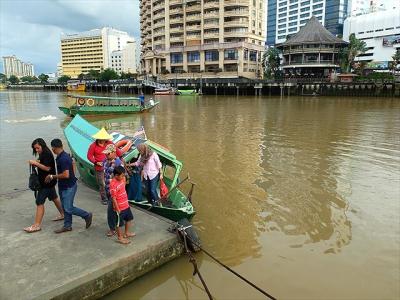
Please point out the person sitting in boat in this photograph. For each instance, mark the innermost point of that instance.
(151, 173)
(96, 156)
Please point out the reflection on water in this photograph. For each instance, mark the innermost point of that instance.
(281, 183)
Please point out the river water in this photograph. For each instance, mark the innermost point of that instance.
(299, 195)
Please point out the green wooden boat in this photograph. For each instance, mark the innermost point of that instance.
(178, 206)
(97, 105)
(187, 92)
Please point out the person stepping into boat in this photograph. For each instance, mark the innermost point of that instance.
(45, 165)
(96, 156)
(67, 187)
(109, 164)
(151, 172)
(121, 206)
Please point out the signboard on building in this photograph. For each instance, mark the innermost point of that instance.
(389, 41)
(378, 65)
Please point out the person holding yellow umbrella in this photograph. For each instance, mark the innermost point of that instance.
(96, 156)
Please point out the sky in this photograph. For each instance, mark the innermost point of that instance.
(31, 29)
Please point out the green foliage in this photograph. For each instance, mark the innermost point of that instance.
(271, 62)
(28, 79)
(3, 78)
(107, 75)
(81, 76)
(348, 54)
(13, 79)
(396, 60)
(63, 79)
(92, 75)
(127, 75)
(43, 78)
(377, 76)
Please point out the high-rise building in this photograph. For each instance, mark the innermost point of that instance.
(380, 30)
(359, 7)
(90, 50)
(125, 60)
(13, 66)
(286, 17)
(223, 38)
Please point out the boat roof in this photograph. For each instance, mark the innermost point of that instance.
(103, 97)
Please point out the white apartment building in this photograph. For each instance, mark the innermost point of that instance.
(359, 7)
(14, 66)
(286, 17)
(81, 52)
(380, 30)
(125, 60)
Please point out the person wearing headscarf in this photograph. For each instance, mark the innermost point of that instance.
(151, 172)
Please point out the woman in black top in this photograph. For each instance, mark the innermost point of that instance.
(45, 165)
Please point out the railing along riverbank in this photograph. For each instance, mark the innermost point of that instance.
(242, 87)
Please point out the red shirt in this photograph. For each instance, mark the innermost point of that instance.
(95, 154)
(118, 192)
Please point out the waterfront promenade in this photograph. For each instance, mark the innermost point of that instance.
(81, 264)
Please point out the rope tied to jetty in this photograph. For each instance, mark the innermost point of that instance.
(182, 229)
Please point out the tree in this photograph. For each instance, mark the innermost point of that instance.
(92, 75)
(107, 75)
(13, 79)
(353, 49)
(63, 79)
(81, 76)
(3, 78)
(271, 62)
(396, 60)
(27, 79)
(43, 78)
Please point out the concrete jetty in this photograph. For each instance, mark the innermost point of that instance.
(81, 264)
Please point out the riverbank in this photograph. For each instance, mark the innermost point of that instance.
(81, 264)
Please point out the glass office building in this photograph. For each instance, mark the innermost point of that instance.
(286, 17)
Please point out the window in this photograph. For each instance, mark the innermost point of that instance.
(282, 15)
(176, 58)
(293, 24)
(212, 55)
(281, 26)
(253, 55)
(305, 3)
(304, 15)
(230, 54)
(317, 6)
(292, 29)
(293, 18)
(293, 6)
(282, 31)
(317, 12)
(193, 56)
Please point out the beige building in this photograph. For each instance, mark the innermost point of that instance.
(90, 50)
(208, 38)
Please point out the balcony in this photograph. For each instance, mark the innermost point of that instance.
(193, 8)
(193, 17)
(235, 33)
(236, 24)
(237, 13)
(236, 3)
(158, 6)
(158, 25)
(211, 25)
(173, 2)
(193, 37)
(159, 33)
(159, 16)
(193, 27)
(176, 21)
(175, 11)
(176, 39)
(211, 15)
(176, 29)
(211, 35)
(213, 4)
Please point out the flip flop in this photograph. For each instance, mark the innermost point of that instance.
(58, 218)
(32, 229)
(131, 234)
(111, 233)
(124, 242)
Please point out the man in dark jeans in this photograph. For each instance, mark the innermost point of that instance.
(67, 187)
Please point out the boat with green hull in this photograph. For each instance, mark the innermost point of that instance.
(187, 92)
(175, 207)
(100, 105)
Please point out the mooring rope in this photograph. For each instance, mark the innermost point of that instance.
(179, 226)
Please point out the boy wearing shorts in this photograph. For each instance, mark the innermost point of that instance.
(121, 206)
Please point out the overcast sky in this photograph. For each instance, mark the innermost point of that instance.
(31, 29)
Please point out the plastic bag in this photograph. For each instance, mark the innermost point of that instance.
(163, 189)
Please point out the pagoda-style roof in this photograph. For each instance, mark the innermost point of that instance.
(312, 33)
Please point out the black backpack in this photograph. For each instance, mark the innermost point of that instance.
(34, 183)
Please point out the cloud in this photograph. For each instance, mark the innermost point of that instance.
(31, 29)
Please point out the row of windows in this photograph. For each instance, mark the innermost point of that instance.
(377, 30)
(213, 55)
